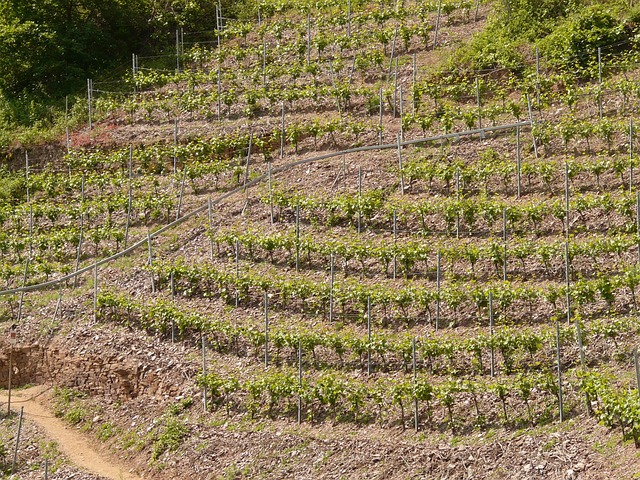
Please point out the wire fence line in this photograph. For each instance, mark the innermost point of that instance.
(251, 183)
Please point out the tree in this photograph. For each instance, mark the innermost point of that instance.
(48, 48)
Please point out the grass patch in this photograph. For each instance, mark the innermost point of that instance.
(170, 437)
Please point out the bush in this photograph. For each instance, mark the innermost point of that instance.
(487, 50)
(574, 45)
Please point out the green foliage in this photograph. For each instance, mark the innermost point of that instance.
(488, 49)
(170, 437)
(574, 44)
(49, 48)
(532, 19)
(12, 187)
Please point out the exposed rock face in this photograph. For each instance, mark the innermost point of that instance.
(108, 374)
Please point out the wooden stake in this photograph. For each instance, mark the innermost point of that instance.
(380, 122)
(172, 281)
(9, 381)
(415, 379)
(558, 359)
(438, 272)
(177, 51)
(266, 329)
(299, 381)
(479, 105)
(308, 38)
(368, 335)
(566, 195)
(435, 35)
(535, 144)
(270, 191)
(26, 173)
(204, 372)
(210, 215)
(359, 199)
(400, 165)
(637, 367)
(237, 270)
(15, 450)
(638, 223)
(630, 155)
(89, 95)
(332, 282)
(130, 199)
(184, 178)
(150, 262)
(518, 161)
(395, 89)
(79, 250)
(395, 243)
(393, 49)
(297, 238)
(282, 133)
(246, 167)
(413, 85)
(175, 145)
(504, 243)
(567, 272)
(66, 122)
(219, 87)
(264, 62)
(458, 198)
(491, 333)
(600, 82)
(95, 292)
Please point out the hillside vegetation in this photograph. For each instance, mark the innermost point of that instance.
(365, 240)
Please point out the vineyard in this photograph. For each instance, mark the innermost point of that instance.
(359, 223)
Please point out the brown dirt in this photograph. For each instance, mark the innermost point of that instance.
(74, 444)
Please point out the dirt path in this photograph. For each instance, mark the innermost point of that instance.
(71, 442)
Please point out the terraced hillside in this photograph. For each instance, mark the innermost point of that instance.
(330, 245)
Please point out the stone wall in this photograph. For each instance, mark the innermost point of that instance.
(111, 376)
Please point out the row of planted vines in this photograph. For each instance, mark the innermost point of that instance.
(469, 281)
